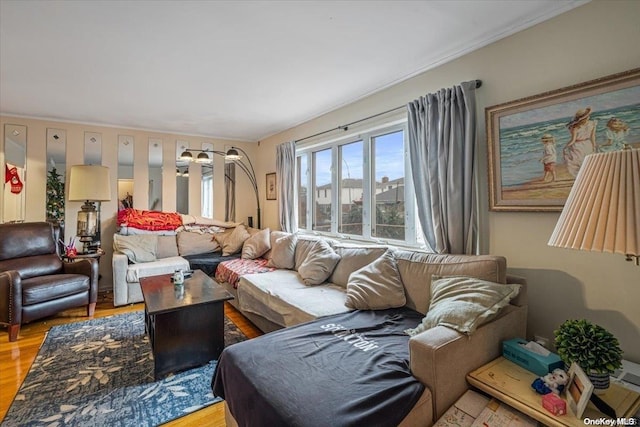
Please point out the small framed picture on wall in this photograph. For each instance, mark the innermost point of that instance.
(272, 192)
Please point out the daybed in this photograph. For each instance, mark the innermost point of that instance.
(283, 377)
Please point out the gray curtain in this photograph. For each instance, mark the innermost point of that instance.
(230, 191)
(442, 141)
(286, 181)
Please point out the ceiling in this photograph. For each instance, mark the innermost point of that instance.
(239, 70)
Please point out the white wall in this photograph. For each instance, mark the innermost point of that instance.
(592, 41)
(35, 182)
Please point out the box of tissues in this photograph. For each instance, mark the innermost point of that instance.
(531, 356)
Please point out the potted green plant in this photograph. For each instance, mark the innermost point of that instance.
(592, 347)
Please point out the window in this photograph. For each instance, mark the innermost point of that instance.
(362, 178)
(322, 181)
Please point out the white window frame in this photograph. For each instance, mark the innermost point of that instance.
(366, 134)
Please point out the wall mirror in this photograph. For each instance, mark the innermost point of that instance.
(206, 184)
(125, 171)
(182, 179)
(92, 148)
(56, 173)
(15, 155)
(155, 174)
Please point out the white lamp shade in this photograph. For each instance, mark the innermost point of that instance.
(91, 182)
(602, 212)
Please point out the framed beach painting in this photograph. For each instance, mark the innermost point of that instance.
(536, 145)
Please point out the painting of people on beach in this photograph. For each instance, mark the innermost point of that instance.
(537, 144)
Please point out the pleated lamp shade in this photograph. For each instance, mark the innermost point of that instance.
(602, 212)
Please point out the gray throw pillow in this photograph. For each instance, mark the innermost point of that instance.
(138, 248)
(376, 286)
(319, 263)
(283, 250)
(257, 245)
(464, 303)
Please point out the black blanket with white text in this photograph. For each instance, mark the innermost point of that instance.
(344, 370)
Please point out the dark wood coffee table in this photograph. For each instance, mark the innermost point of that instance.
(185, 326)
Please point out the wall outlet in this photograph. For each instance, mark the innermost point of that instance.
(543, 341)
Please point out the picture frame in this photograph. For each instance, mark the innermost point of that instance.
(272, 191)
(525, 136)
(579, 390)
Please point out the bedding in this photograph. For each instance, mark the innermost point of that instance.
(349, 369)
(149, 220)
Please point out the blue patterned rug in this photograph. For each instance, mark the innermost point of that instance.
(100, 373)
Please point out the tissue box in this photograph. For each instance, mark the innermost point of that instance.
(540, 365)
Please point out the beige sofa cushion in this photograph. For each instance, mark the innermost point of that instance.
(283, 249)
(353, 258)
(138, 248)
(167, 247)
(376, 286)
(232, 244)
(416, 269)
(464, 303)
(319, 263)
(256, 245)
(191, 243)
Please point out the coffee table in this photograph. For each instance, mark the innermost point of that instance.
(185, 323)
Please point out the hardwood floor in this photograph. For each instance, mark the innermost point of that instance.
(16, 357)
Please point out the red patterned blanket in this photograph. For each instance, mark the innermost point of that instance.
(231, 271)
(149, 220)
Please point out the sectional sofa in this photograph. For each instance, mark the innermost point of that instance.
(304, 281)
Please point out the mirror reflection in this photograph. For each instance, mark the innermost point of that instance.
(206, 184)
(155, 174)
(182, 179)
(56, 172)
(125, 171)
(15, 154)
(92, 148)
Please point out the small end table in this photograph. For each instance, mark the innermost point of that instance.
(511, 384)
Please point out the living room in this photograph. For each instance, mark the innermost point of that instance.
(594, 40)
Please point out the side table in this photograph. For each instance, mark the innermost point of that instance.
(511, 384)
(81, 255)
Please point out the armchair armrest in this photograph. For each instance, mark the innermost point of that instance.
(86, 267)
(10, 297)
(441, 357)
(119, 263)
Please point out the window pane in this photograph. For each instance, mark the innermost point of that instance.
(303, 172)
(322, 190)
(389, 186)
(351, 184)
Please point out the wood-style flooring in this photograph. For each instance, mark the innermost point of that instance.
(16, 357)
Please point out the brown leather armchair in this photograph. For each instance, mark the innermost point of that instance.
(35, 282)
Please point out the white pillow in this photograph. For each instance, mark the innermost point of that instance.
(376, 286)
(138, 248)
(319, 263)
(464, 303)
(257, 245)
(283, 250)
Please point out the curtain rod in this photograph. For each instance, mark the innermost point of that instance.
(346, 127)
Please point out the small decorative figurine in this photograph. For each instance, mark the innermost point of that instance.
(553, 382)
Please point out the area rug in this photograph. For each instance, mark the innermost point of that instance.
(100, 373)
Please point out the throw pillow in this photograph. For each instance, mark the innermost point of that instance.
(376, 286)
(283, 250)
(138, 248)
(232, 244)
(190, 243)
(319, 263)
(464, 303)
(257, 245)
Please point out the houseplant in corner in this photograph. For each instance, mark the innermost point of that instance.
(592, 347)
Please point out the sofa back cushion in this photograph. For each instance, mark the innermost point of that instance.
(29, 248)
(192, 243)
(353, 257)
(416, 269)
(138, 248)
(167, 247)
